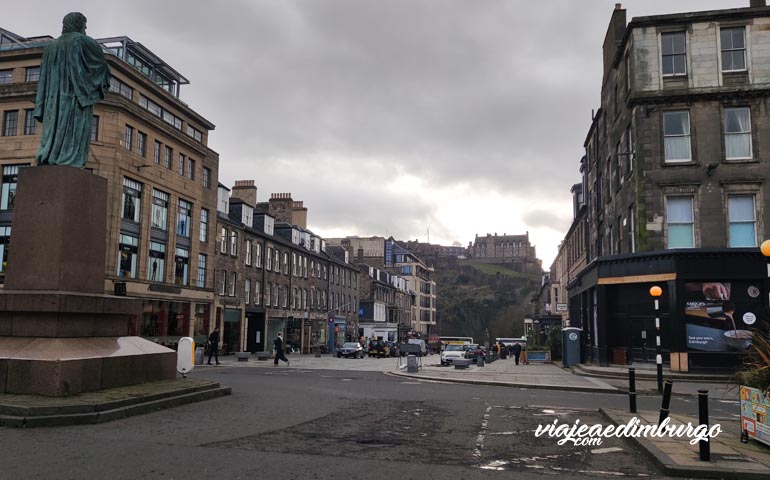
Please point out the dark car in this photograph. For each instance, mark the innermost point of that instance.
(350, 349)
(472, 352)
(376, 348)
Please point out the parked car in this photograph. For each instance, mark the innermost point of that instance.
(350, 349)
(376, 348)
(392, 349)
(451, 353)
(473, 351)
(421, 343)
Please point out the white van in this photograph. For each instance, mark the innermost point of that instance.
(421, 343)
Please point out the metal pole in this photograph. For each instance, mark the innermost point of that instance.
(658, 356)
(666, 402)
(632, 390)
(703, 418)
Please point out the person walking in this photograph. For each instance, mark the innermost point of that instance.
(278, 344)
(214, 345)
(516, 352)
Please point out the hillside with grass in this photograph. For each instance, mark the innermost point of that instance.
(475, 296)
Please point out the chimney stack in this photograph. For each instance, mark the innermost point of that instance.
(757, 3)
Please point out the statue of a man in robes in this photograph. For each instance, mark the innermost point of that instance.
(74, 75)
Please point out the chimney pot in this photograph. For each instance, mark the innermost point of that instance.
(617, 6)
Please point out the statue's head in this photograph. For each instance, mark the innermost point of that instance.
(74, 22)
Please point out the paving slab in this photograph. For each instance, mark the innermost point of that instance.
(730, 459)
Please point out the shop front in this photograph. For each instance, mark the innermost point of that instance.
(274, 325)
(164, 322)
(337, 332)
(711, 302)
(231, 332)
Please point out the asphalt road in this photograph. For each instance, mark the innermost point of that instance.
(315, 424)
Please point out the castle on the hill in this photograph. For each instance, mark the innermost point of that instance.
(503, 249)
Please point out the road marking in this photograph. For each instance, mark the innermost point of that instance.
(346, 379)
(409, 383)
(731, 402)
(607, 450)
(482, 433)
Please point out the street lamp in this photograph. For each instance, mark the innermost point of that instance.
(655, 292)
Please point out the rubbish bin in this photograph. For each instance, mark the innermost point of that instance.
(480, 360)
(199, 355)
(570, 344)
(411, 364)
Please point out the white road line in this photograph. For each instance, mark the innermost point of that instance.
(607, 450)
(482, 433)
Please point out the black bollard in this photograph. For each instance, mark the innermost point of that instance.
(666, 401)
(703, 418)
(632, 390)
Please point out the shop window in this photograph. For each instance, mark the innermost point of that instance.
(182, 266)
(128, 255)
(157, 262)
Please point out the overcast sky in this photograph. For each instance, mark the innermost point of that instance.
(457, 117)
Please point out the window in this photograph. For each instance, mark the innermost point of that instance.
(159, 210)
(304, 267)
(629, 150)
(248, 253)
(141, 144)
(222, 282)
(190, 169)
(268, 289)
(128, 253)
(269, 258)
(183, 219)
(172, 119)
(182, 163)
(284, 296)
(30, 124)
(6, 76)
(275, 295)
(738, 133)
(231, 287)
(257, 292)
(156, 152)
(128, 141)
(32, 74)
(206, 177)
(676, 131)
(233, 243)
(182, 266)
(277, 260)
(679, 222)
(195, 134)
(95, 128)
(246, 291)
(156, 270)
(8, 191)
(10, 122)
(674, 54)
(294, 264)
(733, 42)
(121, 88)
(204, 232)
(151, 106)
(286, 263)
(223, 240)
(169, 157)
(202, 260)
(294, 297)
(5, 243)
(259, 255)
(132, 200)
(742, 218)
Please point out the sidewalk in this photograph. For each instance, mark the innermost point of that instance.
(507, 373)
(675, 456)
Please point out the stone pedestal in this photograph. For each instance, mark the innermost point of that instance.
(59, 333)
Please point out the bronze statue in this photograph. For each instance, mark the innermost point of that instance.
(74, 75)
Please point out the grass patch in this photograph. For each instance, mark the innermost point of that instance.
(493, 269)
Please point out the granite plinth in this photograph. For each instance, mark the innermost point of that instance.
(25, 313)
(59, 225)
(69, 366)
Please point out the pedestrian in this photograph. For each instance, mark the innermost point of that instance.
(214, 345)
(278, 344)
(516, 352)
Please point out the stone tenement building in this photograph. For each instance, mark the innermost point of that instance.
(161, 180)
(675, 179)
(505, 249)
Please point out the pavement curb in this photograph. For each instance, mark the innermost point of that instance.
(642, 375)
(668, 467)
(504, 384)
(101, 412)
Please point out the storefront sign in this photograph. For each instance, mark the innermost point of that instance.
(562, 307)
(755, 407)
(718, 316)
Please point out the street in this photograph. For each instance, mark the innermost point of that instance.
(315, 423)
